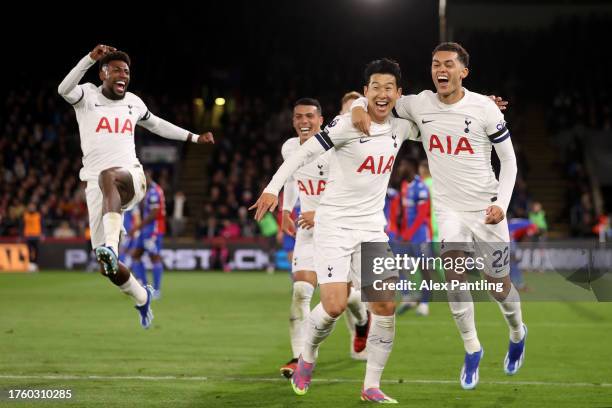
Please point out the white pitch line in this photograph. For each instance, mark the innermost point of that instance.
(279, 379)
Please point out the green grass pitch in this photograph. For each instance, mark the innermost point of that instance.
(218, 340)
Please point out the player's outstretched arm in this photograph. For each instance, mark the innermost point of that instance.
(268, 200)
(69, 88)
(168, 130)
(507, 177)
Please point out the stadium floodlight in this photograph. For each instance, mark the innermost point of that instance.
(442, 20)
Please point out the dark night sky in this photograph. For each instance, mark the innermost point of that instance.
(252, 45)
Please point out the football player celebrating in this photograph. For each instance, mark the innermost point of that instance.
(107, 116)
(458, 129)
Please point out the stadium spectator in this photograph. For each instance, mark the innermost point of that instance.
(64, 231)
(32, 232)
(178, 209)
(537, 216)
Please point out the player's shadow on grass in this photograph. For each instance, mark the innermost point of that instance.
(278, 394)
(343, 363)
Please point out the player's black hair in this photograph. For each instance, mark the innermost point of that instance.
(383, 66)
(115, 56)
(309, 102)
(462, 54)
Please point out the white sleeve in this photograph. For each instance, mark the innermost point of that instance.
(402, 109)
(164, 128)
(507, 173)
(290, 194)
(306, 153)
(495, 125)
(69, 89)
(338, 132)
(290, 189)
(406, 129)
(361, 102)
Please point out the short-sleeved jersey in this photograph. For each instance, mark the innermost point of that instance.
(415, 193)
(360, 168)
(458, 140)
(106, 128)
(154, 199)
(310, 178)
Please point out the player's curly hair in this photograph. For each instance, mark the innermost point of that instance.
(462, 54)
(309, 102)
(115, 56)
(383, 66)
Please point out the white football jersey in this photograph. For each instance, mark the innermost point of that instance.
(458, 140)
(106, 128)
(310, 178)
(359, 170)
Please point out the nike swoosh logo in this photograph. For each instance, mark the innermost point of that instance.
(364, 140)
(423, 121)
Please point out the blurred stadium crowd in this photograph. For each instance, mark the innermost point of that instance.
(40, 152)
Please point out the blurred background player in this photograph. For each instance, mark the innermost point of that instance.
(284, 239)
(309, 182)
(149, 235)
(32, 233)
(107, 116)
(131, 219)
(415, 229)
(521, 229)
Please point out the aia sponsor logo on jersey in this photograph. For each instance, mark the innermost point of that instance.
(377, 165)
(463, 145)
(310, 187)
(114, 125)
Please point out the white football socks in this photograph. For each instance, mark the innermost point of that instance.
(380, 344)
(462, 308)
(112, 230)
(357, 308)
(299, 312)
(320, 325)
(134, 289)
(511, 309)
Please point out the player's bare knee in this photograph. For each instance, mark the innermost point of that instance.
(334, 308)
(502, 295)
(305, 276)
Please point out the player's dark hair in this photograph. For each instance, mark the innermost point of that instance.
(115, 56)
(462, 54)
(383, 66)
(309, 102)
